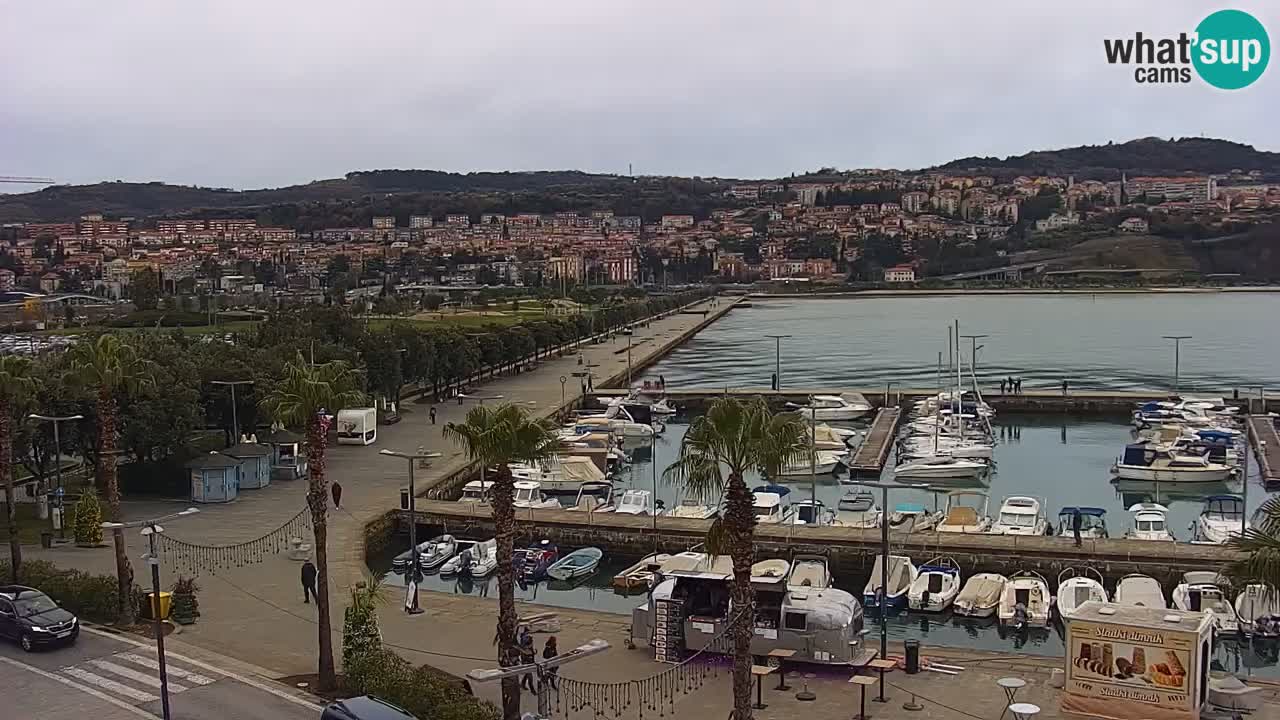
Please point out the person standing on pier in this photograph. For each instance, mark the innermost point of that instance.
(1002, 386)
(1018, 382)
(433, 414)
(1064, 388)
(1076, 522)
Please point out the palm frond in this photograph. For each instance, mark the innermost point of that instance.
(306, 389)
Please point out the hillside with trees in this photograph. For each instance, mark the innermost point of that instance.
(1137, 157)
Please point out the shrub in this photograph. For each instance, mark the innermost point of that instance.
(426, 692)
(90, 597)
(360, 632)
(87, 524)
(185, 606)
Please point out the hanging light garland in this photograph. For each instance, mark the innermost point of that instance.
(192, 558)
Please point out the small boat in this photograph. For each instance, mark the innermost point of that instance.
(537, 559)
(562, 474)
(1221, 519)
(809, 571)
(1255, 602)
(826, 437)
(770, 504)
(936, 585)
(636, 502)
(1140, 591)
(901, 574)
(594, 497)
(811, 512)
(980, 596)
(857, 508)
(1150, 522)
(477, 559)
(833, 407)
(1201, 591)
(431, 554)
(529, 495)
(1093, 522)
(1025, 601)
(690, 507)
(965, 518)
(1227, 692)
(1020, 515)
(641, 574)
(476, 491)
(1162, 463)
(940, 467)
(920, 447)
(821, 462)
(577, 564)
(913, 517)
(1075, 588)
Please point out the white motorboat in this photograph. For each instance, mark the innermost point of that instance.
(1221, 519)
(822, 462)
(1140, 591)
(1150, 522)
(1077, 587)
(811, 512)
(1200, 591)
(641, 574)
(1161, 463)
(857, 508)
(1026, 601)
(577, 564)
(594, 497)
(920, 447)
(1020, 515)
(1255, 602)
(431, 554)
(529, 495)
(637, 502)
(692, 507)
(619, 426)
(966, 513)
(657, 404)
(476, 491)
(833, 407)
(936, 585)
(478, 559)
(940, 467)
(562, 474)
(901, 574)
(1093, 522)
(770, 505)
(913, 517)
(827, 437)
(980, 596)
(809, 571)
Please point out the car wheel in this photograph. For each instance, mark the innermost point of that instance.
(26, 643)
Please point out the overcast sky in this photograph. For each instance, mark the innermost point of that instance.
(254, 93)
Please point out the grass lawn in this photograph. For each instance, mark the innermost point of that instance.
(230, 326)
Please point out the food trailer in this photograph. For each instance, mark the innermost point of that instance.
(1137, 663)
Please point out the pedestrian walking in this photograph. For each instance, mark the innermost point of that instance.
(433, 414)
(524, 643)
(1002, 386)
(336, 489)
(549, 652)
(1076, 522)
(308, 582)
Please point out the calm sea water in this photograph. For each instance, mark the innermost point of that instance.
(1094, 341)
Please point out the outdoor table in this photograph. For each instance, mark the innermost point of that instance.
(783, 656)
(760, 671)
(882, 665)
(863, 681)
(1011, 686)
(1024, 711)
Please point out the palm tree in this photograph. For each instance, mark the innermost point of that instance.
(736, 436)
(110, 367)
(304, 398)
(15, 383)
(1260, 548)
(495, 437)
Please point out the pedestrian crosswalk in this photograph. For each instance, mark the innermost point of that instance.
(135, 676)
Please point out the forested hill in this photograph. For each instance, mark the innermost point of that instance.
(1152, 156)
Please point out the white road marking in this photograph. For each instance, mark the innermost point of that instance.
(150, 662)
(82, 688)
(206, 666)
(112, 685)
(122, 671)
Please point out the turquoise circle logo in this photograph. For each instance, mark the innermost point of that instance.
(1232, 49)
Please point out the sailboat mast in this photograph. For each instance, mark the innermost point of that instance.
(959, 405)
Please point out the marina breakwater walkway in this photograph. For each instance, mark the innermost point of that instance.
(1266, 445)
(850, 550)
(869, 459)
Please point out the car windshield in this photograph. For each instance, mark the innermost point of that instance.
(33, 604)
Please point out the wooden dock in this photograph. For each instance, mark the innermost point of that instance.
(869, 459)
(1262, 429)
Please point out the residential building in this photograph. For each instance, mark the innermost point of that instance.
(8, 279)
(384, 222)
(1134, 225)
(419, 222)
(745, 192)
(1058, 221)
(915, 201)
(900, 274)
(1173, 188)
(676, 222)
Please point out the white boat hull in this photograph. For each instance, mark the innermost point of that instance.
(1138, 472)
(954, 472)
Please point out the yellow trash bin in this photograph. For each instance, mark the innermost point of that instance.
(166, 601)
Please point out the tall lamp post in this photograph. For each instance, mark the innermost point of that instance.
(777, 359)
(884, 552)
(57, 464)
(411, 603)
(235, 418)
(1177, 356)
(150, 529)
(973, 354)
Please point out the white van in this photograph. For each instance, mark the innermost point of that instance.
(357, 426)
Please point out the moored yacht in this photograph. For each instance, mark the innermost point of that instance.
(1093, 522)
(770, 504)
(560, 474)
(901, 573)
(1077, 587)
(936, 585)
(966, 513)
(476, 491)
(940, 467)
(833, 407)
(1221, 519)
(1150, 522)
(1162, 463)
(529, 495)
(1140, 591)
(637, 502)
(1201, 591)
(594, 497)
(857, 508)
(1020, 515)
(811, 512)
(1256, 602)
(1025, 601)
(692, 507)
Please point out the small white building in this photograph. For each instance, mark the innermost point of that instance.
(1057, 221)
(1134, 225)
(900, 274)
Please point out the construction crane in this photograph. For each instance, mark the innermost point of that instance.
(26, 180)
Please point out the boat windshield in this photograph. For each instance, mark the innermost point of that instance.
(524, 494)
(1150, 525)
(1017, 519)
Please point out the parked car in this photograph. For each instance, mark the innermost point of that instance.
(364, 707)
(32, 618)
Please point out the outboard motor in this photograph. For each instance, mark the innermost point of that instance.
(1020, 616)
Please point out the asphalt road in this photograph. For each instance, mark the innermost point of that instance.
(109, 678)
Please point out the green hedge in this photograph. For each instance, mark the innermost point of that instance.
(427, 693)
(166, 318)
(90, 597)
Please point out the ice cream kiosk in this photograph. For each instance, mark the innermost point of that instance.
(1137, 663)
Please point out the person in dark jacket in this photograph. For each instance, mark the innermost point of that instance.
(524, 643)
(336, 489)
(308, 581)
(549, 652)
(1076, 522)
(433, 414)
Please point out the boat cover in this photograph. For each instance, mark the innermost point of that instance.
(580, 469)
(981, 591)
(824, 434)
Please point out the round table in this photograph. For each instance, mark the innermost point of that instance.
(1024, 711)
(1011, 686)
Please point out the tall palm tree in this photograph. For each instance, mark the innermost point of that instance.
(1260, 545)
(15, 383)
(305, 397)
(721, 446)
(111, 367)
(495, 437)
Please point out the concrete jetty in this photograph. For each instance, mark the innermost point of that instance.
(869, 459)
(1262, 429)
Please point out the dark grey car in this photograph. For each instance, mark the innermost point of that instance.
(32, 618)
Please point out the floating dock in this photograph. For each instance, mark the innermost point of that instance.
(869, 459)
(1262, 429)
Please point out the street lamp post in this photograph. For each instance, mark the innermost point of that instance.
(151, 528)
(973, 354)
(411, 603)
(884, 552)
(235, 419)
(777, 359)
(57, 464)
(1177, 356)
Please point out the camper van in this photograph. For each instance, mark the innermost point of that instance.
(357, 426)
